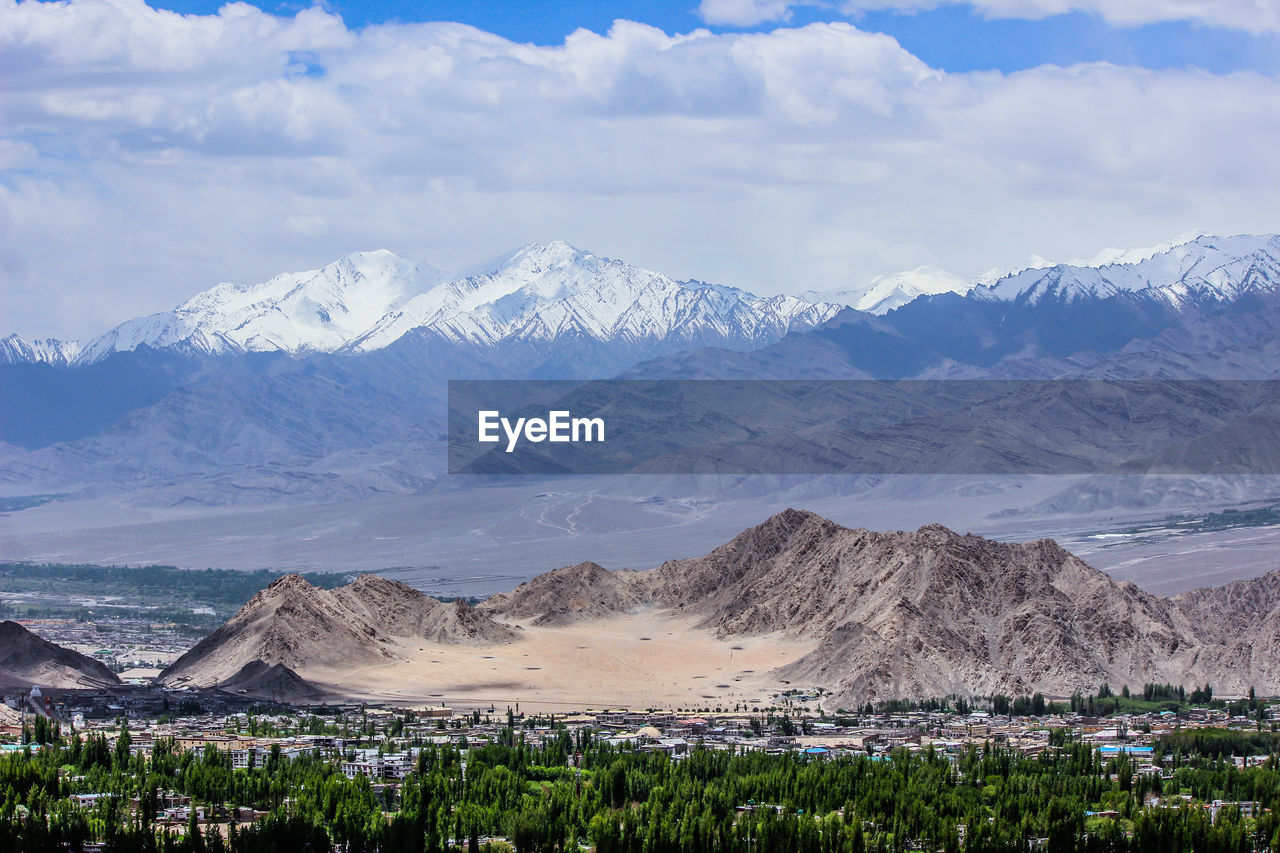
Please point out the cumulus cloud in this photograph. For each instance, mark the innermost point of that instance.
(147, 155)
(744, 13)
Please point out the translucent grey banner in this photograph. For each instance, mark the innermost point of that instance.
(864, 427)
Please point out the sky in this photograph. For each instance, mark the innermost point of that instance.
(150, 152)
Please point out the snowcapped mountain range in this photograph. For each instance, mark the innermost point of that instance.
(317, 310)
(555, 293)
(367, 301)
(16, 350)
(1182, 274)
(363, 413)
(1192, 268)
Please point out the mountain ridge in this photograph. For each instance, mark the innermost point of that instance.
(366, 301)
(875, 615)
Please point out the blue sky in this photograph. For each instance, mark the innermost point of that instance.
(773, 145)
(951, 37)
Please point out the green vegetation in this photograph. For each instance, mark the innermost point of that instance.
(1227, 519)
(225, 589)
(1070, 798)
(1154, 699)
(1216, 743)
(189, 603)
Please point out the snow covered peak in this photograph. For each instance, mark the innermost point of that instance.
(1110, 257)
(1183, 272)
(538, 293)
(317, 310)
(886, 292)
(16, 350)
(533, 258)
(543, 292)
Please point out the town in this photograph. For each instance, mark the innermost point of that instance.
(1142, 763)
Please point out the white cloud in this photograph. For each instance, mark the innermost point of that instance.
(137, 172)
(1256, 16)
(744, 13)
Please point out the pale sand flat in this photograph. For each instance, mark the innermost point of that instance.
(599, 664)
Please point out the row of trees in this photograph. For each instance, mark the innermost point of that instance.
(622, 799)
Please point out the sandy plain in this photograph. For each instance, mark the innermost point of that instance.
(636, 661)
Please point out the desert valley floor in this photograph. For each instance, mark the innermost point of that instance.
(632, 661)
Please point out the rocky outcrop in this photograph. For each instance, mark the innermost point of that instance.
(571, 594)
(1240, 627)
(278, 683)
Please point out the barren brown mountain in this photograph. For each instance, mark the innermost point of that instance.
(1240, 624)
(870, 616)
(571, 594)
(27, 660)
(929, 612)
(932, 612)
(370, 621)
(277, 683)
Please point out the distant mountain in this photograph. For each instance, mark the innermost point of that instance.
(540, 294)
(308, 630)
(571, 594)
(1166, 312)
(331, 383)
(886, 292)
(15, 350)
(313, 311)
(554, 291)
(1113, 270)
(278, 683)
(30, 660)
(1202, 270)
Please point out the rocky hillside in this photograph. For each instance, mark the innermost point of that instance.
(884, 614)
(571, 594)
(371, 620)
(932, 612)
(27, 660)
(1241, 622)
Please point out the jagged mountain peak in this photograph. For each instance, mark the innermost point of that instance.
(546, 292)
(531, 256)
(779, 528)
(1184, 272)
(17, 350)
(289, 583)
(1194, 265)
(541, 293)
(316, 310)
(369, 582)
